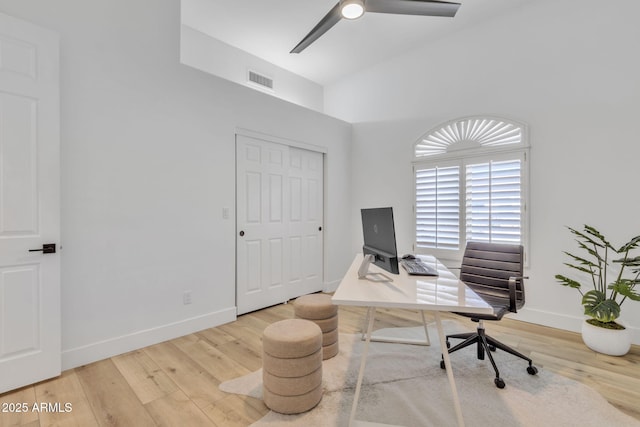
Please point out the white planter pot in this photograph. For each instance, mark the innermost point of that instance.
(607, 341)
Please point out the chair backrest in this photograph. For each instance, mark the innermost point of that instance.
(487, 267)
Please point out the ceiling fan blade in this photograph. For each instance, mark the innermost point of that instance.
(329, 20)
(413, 7)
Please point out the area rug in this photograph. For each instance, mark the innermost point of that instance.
(404, 385)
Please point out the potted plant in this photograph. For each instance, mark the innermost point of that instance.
(613, 275)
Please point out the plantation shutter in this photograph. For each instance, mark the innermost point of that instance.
(471, 177)
(438, 207)
(494, 201)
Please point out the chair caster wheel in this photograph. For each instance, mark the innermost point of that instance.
(532, 370)
(492, 347)
(442, 366)
(448, 344)
(499, 382)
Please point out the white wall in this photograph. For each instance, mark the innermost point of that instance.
(206, 53)
(567, 68)
(148, 164)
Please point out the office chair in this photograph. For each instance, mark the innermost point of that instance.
(494, 272)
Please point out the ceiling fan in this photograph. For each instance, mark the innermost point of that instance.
(354, 9)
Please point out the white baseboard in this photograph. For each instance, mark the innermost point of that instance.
(90, 353)
(560, 321)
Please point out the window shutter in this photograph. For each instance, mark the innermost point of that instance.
(494, 202)
(438, 207)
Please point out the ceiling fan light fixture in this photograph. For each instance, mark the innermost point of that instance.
(352, 9)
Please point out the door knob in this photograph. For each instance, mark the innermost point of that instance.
(242, 233)
(47, 248)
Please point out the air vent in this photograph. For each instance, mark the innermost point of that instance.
(260, 80)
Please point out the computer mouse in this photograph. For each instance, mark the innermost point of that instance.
(408, 256)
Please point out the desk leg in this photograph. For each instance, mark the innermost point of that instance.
(379, 336)
(426, 330)
(447, 364)
(371, 314)
(365, 325)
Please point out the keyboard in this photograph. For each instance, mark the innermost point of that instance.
(418, 268)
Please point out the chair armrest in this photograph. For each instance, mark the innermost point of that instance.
(512, 292)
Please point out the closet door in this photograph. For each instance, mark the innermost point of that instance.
(305, 221)
(279, 223)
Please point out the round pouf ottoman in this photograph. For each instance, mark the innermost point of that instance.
(292, 366)
(319, 309)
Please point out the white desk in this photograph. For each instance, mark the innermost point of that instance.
(441, 293)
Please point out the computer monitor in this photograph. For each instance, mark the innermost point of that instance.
(380, 238)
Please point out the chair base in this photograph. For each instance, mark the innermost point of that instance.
(485, 345)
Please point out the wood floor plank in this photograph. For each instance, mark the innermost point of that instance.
(144, 376)
(198, 384)
(248, 356)
(215, 336)
(176, 409)
(622, 398)
(236, 411)
(241, 332)
(281, 312)
(66, 389)
(218, 364)
(19, 404)
(111, 398)
(246, 349)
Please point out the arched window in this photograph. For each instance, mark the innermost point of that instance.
(471, 183)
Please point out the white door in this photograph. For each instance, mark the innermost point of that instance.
(29, 204)
(305, 221)
(279, 223)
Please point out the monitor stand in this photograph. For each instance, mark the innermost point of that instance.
(363, 271)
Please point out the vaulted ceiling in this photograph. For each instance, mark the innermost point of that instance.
(269, 29)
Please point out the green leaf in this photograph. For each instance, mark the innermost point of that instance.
(591, 251)
(597, 305)
(582, 261)
(628, 262)
(631, 244)
(580, 268)
(626, 288)
(585, 237)
(565, 281)
(595, 233)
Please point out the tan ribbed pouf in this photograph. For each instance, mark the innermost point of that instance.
(291, 338)
(292, 366)
(328, 351)
(326, 325)
(330, 337)
(297, 367)
(319, 309)
(293, 386)
(315, 307)
(292, 404)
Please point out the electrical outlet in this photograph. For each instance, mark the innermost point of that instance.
(225, 213)
(186, 297)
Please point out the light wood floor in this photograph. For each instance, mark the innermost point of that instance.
(175, 383)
